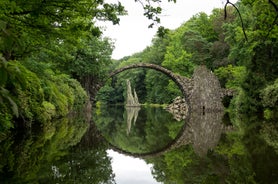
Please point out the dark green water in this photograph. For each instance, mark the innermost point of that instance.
(142, 146)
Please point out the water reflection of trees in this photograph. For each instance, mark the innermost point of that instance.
(154, 128)
(63, 151)
(244, 155)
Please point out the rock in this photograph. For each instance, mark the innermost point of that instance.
(178, 108)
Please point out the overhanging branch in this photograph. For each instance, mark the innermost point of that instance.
(242, 25)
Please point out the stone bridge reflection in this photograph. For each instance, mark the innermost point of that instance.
(202, 131)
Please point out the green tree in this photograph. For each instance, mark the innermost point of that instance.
(27, 26)
(176, 58)
(257, 55)
(269, 97)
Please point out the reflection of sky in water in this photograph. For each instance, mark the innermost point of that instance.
(130, 170)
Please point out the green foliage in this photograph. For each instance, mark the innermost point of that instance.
(30, 159)
(159, 94)
(32, 24)
(182, 165)
(40, 99)
(176, 58)
(30, 97)
(8, 107)
(156, 52)
(65, 93)
(259, 75)
(11, 77)
(269, 134)
(89, 57)
(257, 55)
(198, 41)
(5, 120)
(59, 35)
(107, 94)
(49, 110)
(196, 38)
(231, 76)
(268, 114)
(49, 37)
(270, 95)
(5, 96)
(232, 146)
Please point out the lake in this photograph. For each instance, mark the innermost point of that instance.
(142, 145)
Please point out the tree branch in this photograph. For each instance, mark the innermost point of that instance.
(242, 25)
(274, 5)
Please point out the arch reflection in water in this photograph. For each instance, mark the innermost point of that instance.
(154, 134)
(202, 131)
(153, 129)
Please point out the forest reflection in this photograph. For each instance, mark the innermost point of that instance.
(67, 150)
(202, 131)
(205, 149)
(136, 130)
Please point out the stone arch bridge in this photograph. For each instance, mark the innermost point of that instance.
(203, 95)
(202, 92)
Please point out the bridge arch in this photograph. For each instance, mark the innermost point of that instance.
(182, 82)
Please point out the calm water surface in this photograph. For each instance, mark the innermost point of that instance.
(142, 145)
